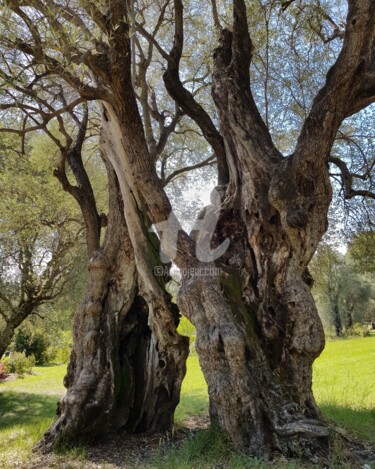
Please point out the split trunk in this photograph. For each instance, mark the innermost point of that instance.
(125, 370)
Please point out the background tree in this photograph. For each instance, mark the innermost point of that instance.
(40, 236)
(362, 251)
(343, 295)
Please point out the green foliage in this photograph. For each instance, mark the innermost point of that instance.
(5, 361)
(59, 350)
(344, 295)
(32, 341)
(42, 250)
(362, 251)
(20, 364)
(357, 330)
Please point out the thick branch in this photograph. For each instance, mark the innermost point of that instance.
(83, 192)
(186, 100)
(167, 131)
(215, 15)
(239, 114)
(347, 181)
(338, 97)
(365, 96)
(242, 46)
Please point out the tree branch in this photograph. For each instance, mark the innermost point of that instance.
(347, 180)
(7, 301)
(365, 96)
(186, 101)
(239, 114)
(215, 15)
(242, 47)
(202, 164)
(338, 97)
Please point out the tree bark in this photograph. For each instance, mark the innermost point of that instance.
(258, 331)
(122, 373)
(258, 334)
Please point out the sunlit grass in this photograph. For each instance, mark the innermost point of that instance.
(344, 386)
(27, 409)
(194, 396)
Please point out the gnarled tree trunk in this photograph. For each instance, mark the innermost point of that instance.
(258, 334)
(122, 373)
(258, 331)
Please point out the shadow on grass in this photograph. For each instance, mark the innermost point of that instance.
(191, 404)
(360, 422)
(18, 408)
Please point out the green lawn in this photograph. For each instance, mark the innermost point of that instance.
(194, 397)
(27, 408)
(344, 385)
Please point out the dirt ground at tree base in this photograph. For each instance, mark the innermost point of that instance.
(125, 451)
(139, 451)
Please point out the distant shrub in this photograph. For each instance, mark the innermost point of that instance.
(32, 341)
(3, 370)
(20, 364)
(5, 362)
(63, 354)
(59, 352)
(356, 330)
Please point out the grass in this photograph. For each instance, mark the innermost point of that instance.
(27, 408)
(209, 449)
(344, 386)
(194, 396)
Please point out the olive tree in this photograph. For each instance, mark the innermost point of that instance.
(258, 331)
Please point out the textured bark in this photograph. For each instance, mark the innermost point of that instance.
(257, 337)
(121, 374)
(258, 331)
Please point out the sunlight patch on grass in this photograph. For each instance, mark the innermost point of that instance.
(194, 395)
(27, 409)
(344, 384)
